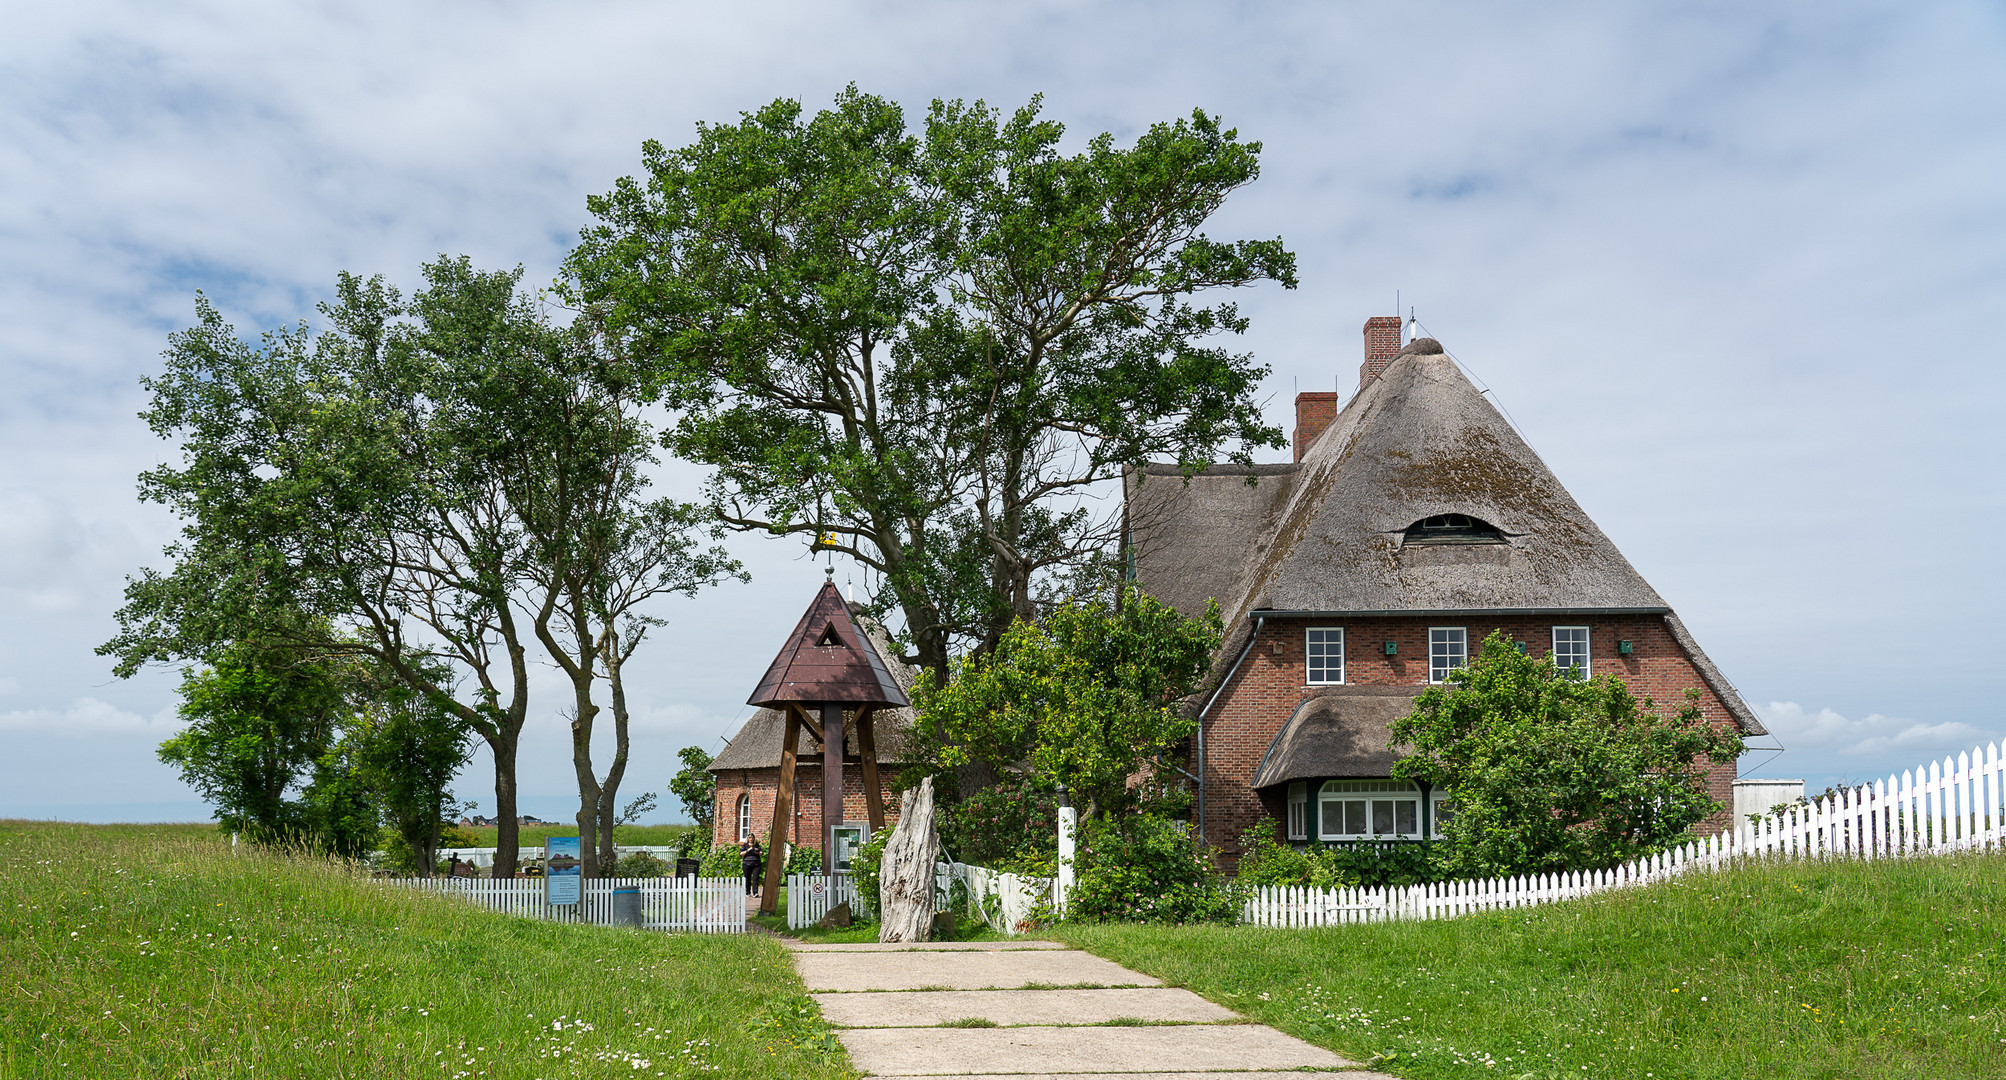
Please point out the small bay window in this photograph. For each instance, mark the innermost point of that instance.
(1369, 810)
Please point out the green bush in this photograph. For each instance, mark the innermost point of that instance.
(804, 860)
(1149, 869)
(722, 861)
(866, 867)
(641, 864)
(1267, 861)
(1012, 826)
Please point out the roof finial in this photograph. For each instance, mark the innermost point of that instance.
(831, 571)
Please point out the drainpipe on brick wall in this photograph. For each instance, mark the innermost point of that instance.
(1259, 621)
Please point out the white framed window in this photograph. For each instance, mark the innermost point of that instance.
(1448, 649)
(1323, 647)
(744, 818)
(1570, 650)
(1368, 810)
(1298, 811)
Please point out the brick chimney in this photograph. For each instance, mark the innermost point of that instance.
(1316, 409)
(1382, 344)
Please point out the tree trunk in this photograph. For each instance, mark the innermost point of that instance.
(508, 826)
(906, 877)
(609, 792)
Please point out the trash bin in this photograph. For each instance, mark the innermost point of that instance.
(627, 906)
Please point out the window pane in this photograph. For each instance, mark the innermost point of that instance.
(1447, 650)
(1354, 818)
(1382, 817)
(1570, 649)
(1333, 818)
(1405, 817)
(1324, 650)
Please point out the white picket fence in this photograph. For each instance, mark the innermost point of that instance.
(693, 905)
(810, 898)
(1951, 806)
(1016, 897)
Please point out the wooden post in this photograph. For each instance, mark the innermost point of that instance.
(867, 748)
(783, 806)
(832, 781)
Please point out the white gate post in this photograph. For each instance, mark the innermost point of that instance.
(1069, 821)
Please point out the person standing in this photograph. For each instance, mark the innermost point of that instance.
(754, 862)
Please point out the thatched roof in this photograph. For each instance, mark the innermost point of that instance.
(757, 744)
(1342, 731)
(1330, 536)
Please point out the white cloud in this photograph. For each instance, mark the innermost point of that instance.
(1875, 735)
(91, 718)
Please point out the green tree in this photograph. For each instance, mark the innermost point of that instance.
(559, 413)
(1083, 697)
(919, 351)
(406, 747)
(260, 722)
(1072, 277)
(1551, 773)
(350, 475)
(696, 787)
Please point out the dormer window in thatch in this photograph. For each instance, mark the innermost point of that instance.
(1453, 529)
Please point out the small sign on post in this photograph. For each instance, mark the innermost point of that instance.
(688, 867)
(561, 880)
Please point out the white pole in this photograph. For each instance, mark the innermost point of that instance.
(1069, 822)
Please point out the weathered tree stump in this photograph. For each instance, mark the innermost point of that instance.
(905, 878)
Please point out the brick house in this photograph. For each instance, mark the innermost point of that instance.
(1413, 522)
(748, 771)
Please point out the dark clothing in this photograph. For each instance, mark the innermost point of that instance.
(754, 862)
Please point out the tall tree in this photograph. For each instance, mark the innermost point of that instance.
(343, 475)
(1073, 274)
(922, 352)
(773, 272)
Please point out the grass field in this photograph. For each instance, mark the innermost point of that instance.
(156, 951)
(1881, 970)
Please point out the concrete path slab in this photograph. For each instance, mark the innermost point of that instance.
(931, 1008)
(963, 970)
(922, 946)
(990, 1051)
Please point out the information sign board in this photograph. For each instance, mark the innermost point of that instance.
(561, 880)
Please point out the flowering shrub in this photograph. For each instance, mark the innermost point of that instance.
(1011, 826)
(1147, 868)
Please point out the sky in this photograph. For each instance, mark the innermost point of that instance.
(1736, 270)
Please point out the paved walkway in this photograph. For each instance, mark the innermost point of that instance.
(1038, 1009)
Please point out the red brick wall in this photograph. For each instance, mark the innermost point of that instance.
(806, 827)
(1270, 684)
(1382, 344)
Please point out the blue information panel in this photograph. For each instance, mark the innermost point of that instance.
(560, 869)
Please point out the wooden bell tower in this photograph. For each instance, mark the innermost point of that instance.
(827, 667)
